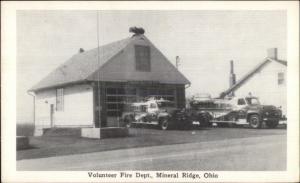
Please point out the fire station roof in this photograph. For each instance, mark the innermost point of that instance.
(82, 66)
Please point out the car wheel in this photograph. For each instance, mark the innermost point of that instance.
(254, 121)
(164, 124)
(272, 124)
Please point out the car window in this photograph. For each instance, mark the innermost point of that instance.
(241, 101)
(152, 105)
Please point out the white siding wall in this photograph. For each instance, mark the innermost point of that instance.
(264, 85)
(43, 100)
(78, 107)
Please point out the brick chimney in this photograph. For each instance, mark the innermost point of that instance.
(272, 53)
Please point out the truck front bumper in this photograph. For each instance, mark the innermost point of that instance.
(281, 120)
(271, 119)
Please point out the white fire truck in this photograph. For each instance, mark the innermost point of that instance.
(158, 112)
(233, 111)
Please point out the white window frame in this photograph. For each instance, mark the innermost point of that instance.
(280, 78)
(59, 99)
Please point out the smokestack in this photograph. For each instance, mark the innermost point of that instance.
(272, 53)
(231, 67)
(232, 79)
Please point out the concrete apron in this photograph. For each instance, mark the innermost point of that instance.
(106, 132)
(86, 132)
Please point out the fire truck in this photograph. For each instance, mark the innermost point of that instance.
(157, 112)
(233, 111)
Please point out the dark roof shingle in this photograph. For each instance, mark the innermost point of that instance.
(81, 65)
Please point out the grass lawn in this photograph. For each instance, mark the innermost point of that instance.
(46, 146)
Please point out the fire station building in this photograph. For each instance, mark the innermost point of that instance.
(92, 87)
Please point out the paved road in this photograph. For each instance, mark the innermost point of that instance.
(253, 153)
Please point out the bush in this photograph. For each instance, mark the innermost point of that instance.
(25, 129)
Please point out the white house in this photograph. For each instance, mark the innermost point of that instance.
(267, 81)
(91, 88)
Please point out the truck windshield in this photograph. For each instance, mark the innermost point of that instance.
(165, 104)
(252, 101)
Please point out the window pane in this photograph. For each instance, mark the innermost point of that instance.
(280, 78)
(142, 57)
(120, 91)
(110, 91)
(152, 91)
(130, 91)
(59, 99)
(169, 92)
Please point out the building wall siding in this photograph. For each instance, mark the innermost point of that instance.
(264, 84)
(77, 109)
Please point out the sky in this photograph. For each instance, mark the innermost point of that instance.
(205, 41)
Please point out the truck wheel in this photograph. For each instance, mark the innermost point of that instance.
(204, 121)
(254, 121)
(164, 124)
(272, 124)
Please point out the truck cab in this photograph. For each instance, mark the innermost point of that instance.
(255, 113)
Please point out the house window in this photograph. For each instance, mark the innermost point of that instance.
(280, 78)
(59, 99)
(142, 58)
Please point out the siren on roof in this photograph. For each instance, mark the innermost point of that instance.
(136, 30)
(81, 50)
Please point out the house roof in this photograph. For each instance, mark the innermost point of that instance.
(82, 66)
(251, 73)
